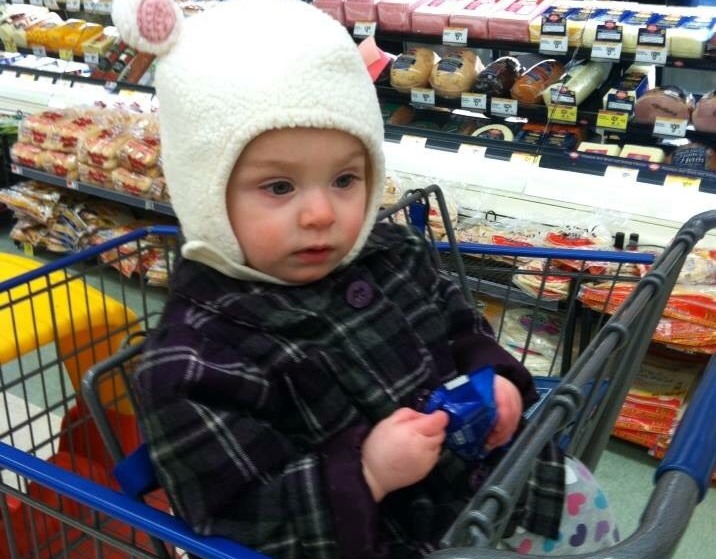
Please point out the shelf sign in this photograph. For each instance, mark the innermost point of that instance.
(455, 36)
(16, 169)
(614, 120)
(422, 96)
(39, 51)
(528, 158)
(553, 36)
(476, 101)
(621, 173)
(413, 141)
(503, 107)
(91, 58)
(67, 55)
(682, 182)
(651, 45)
(149, 205)
(72, 5)
(620, 100)
(608, 41)
(671, 127)
(472, 150)
(72, 185)
(364, 29)
(563, 113)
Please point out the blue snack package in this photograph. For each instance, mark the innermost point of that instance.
(470, 404)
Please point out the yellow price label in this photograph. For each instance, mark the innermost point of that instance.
(28, 249)
(67, 55)
(612, 119)
(9, 44)
(682, 182)
(528, 158)
(564, 113)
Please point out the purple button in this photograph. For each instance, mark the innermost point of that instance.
(359, 294)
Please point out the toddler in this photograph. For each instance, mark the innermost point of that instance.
(281, 393)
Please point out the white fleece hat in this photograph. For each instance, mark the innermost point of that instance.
(232, 72)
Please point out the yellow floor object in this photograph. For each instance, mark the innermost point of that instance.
(84, 325)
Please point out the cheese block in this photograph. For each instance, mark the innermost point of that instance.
(577, 84)
(704, 115)
(412, 69)
(665, 102)
(474, 15)
(557, 11)
(642, 153)
(599, 149)
(528, 88)
(455, 73)
(599, 17)
(359, 10)
(689, 39)
(394, 15)
(624, 92)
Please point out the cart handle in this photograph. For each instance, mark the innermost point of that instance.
(92, 252)
(693, 448)
(121, 507)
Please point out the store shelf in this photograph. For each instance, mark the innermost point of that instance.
(93, 190)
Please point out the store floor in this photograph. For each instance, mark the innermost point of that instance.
(625, 471)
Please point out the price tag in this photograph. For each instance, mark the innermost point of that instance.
(52, 5)
(18, 1)
(72, 185)
(72, 5)
(651, 55)
(364, 28)
(607, 51)
(9, 44)
(422, 96)
(39, 51)
(110, 86)
(67, 55)
(90, 7)
(28, 249)
(553, 44)
(91, 58)
(682, 182)
(473, 101)
(502, 106)
(621, 173)
(672, 127)
(472, 150)
(37, 3)
(413, 141)
(16, 169)
(149, 205)
(455, 36)
(525, 158)
(614, 120)
(564, 113)
(104, 7)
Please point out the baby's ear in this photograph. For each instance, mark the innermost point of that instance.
(151, 26)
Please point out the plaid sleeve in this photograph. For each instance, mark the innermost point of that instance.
(226, 471)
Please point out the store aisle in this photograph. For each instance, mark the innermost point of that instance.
(626, 472)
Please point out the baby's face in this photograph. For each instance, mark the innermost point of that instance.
(297, 200)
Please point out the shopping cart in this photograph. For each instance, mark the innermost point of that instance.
(60, 494)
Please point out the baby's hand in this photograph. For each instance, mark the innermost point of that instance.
(508, 402)
(402, 449)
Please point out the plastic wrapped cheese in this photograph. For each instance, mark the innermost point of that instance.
(556, 11)
(394, 15)
(688, 40)
(431, 18)
(577, 84)
(412, 69)
(642, 153)
(599, 17)
(600, 149)
(333, 8)
(474, 16)
(511, 22)
(359, 10)
(455, 73)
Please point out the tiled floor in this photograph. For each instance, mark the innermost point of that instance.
(625, 471)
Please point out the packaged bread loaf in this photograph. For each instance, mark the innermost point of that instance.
(60, 164)
(94, 175)
(577, 84)
(412, 69)
(455, 73)
(27, 155)
(102, 149)
(131, 183)
(663, 102)
(704, 115)
(528, 88)
(498, 77)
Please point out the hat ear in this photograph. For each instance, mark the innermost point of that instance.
(150, 26)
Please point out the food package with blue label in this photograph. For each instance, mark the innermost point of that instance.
(470, 404)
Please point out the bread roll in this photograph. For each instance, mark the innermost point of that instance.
(455, 74)
(412, 69)
(528, 88)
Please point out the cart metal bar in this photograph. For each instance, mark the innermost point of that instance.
(623, 257)
(694, 451)
(121, 507)
(91, 252)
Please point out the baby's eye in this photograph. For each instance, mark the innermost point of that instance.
(344, 181)
(279, 188)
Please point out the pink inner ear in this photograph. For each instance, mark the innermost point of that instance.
(156, 19)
